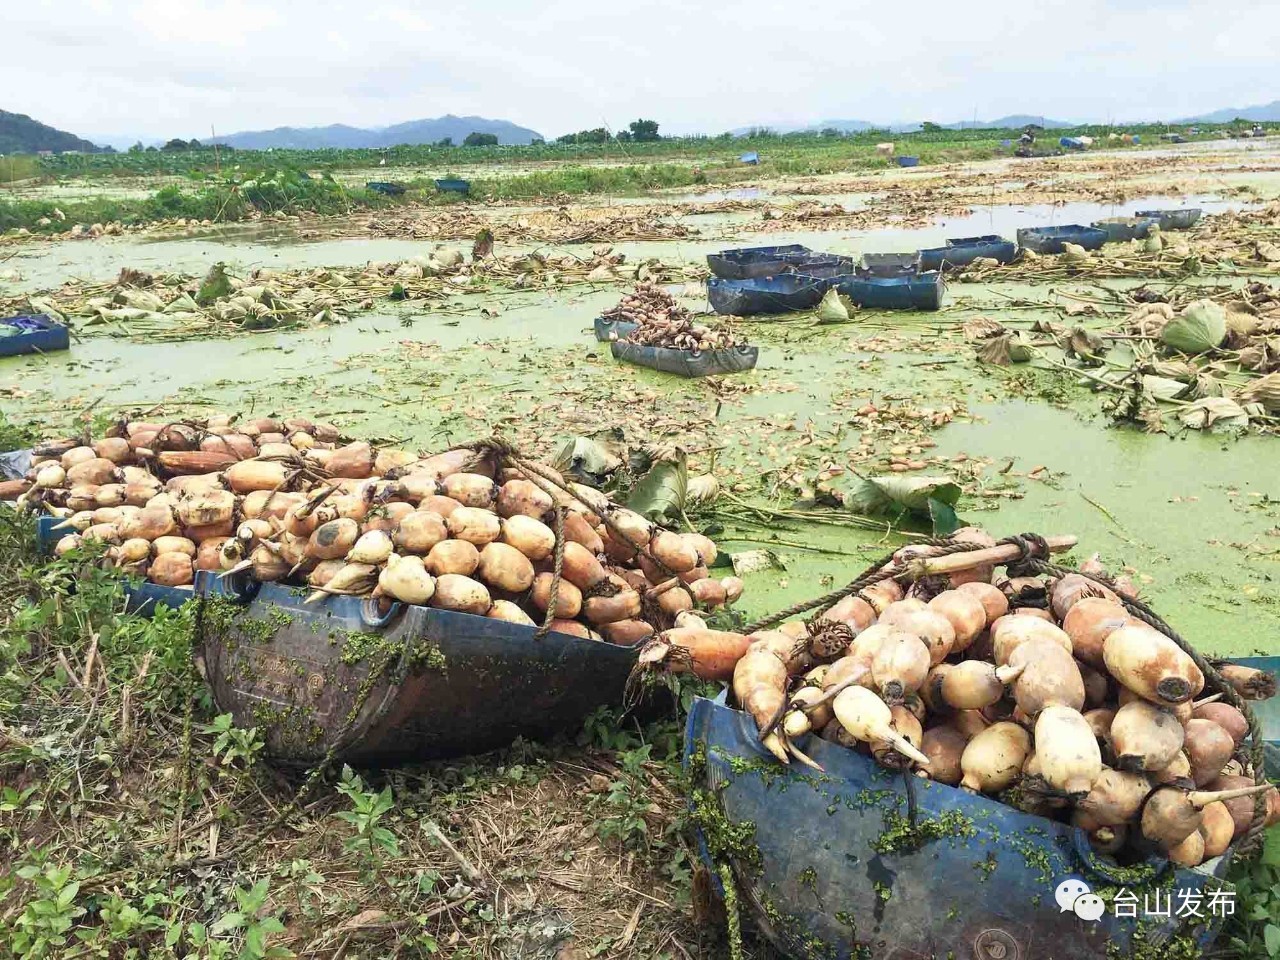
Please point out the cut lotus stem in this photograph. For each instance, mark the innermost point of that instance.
(662, 588)
(777, 746)
(803, 757)
(241, 566)
(1202, 798)
(904, 747)
(932, 566)
(834, 691)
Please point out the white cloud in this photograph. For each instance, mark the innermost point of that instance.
(160, 68)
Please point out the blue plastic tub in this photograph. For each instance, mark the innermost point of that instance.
(908, 161)
(37, 333)
(785, 293)
(1181, 219)
(385, 187)
(922, 291)
(687, 363)
(1122, 229)
(1071, 143)
(962, 251)
(453, 185)
(831, 868)
(742, 263)
(751, 159)
(1050, 239)
(607, 330)
(1267, 712)
(889, 264)
(454, 683)
(140, 597)
(751, 262)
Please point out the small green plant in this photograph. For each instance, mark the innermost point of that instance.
(368, 808)
(42, 929)
(1253, 931)
(625, 821)
(234, 744)
(253, 925)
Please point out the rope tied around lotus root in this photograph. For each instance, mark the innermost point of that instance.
(541, 476)
(558, 567)
(883, 569)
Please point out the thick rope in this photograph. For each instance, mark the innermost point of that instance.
(550, 615)
(882, 569)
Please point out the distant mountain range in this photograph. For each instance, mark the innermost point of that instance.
(340, 136)
(1264, 113)
(20, 134)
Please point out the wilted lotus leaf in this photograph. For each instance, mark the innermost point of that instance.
(832, 309)
(1205, 385)
(980, 328)
(1074, 253)
(1005, 349)
(703, 489)
(1267, 251)
(1085, 345)
(1162, 388)
(1262, 355)
(1174, 370)
(1264, 390)
(1219, 414)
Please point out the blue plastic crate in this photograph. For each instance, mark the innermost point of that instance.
(37, 334)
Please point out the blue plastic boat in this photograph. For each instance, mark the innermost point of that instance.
(889, 264)
(687, 363)
(747, 263)
(862, 862)
(453, 185)
(962, 251)
(921, 291)
(32, 333)
(453, 684)
(1071, 143)
(1122, 229)
(607, 330)
(1181, 219)
(140, 596)
(1050, 239)
(385, 187)
(742, 263)
(908, 161)
(1267, 712)
(785, 293)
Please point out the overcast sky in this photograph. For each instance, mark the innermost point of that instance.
(162, 68)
